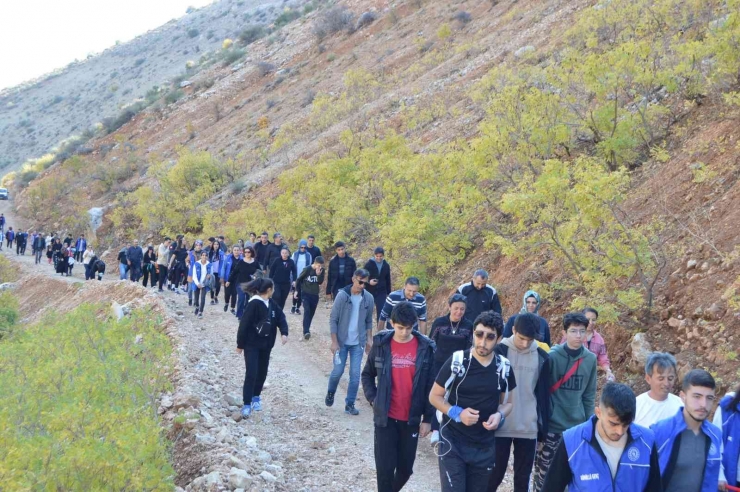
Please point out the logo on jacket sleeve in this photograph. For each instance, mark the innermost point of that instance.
(712, 449)
(633, 454)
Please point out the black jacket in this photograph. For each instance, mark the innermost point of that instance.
(478, 301)
(273, 253)
(243, 272)
(542, 390)
(255, 312)
(260, 251)
(378, 365)
(334, 283)
(314, 250)
(282, 274)
(384, 278)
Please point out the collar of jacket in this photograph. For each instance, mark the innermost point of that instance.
(385, 336)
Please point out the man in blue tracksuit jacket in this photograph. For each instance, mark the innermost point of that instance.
(226, 266)
(688, 444)
(608, 452)
(729, 417)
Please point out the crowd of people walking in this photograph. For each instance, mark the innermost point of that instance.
(479, 387)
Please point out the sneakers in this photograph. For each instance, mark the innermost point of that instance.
(226, 307)
(306, 336)
(350, 409)
(233, 311)
(329, 400)
(298, 311)
(256, 404)
(200, 315)
(246, 411)
(292, 310)
(435, 438)
(190, 302)
(213, 302)
(196, 311)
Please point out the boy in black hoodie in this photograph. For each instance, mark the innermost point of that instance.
(401, 360)
(307, 289)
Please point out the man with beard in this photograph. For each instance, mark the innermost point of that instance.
(473, 394)
(688, 444)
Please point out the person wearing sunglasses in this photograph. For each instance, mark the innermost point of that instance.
(351, 324)
(572, 391)
(243, 272)
(474, 401)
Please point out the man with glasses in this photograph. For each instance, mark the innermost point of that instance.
(475, 401)
(572, 390)
(351, 323)
(409, 293)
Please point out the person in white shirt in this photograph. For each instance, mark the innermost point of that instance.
(659, 403)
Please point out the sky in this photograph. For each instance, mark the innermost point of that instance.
(38, 36)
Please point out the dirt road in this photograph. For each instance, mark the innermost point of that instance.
(318, 448)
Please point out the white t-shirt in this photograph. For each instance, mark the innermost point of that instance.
(650, 411)
(612, 450)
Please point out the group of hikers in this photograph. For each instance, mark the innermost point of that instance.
(477, 385)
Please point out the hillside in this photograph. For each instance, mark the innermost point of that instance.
(586, 149)
(38, 115)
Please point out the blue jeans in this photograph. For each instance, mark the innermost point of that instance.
(122, 270)
(355, 362)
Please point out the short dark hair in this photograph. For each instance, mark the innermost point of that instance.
(492, 320)
(574, 319)
(311, 236)
(527, 325)
(621, 400)
(252, 234)
(404, 314)
(591, 310)
(264, 233)
(412, 281)
(698, 377)
(339, 244)
(457, 298)
(319, 260)
(167, 239)
(361, 273)
(379, 251)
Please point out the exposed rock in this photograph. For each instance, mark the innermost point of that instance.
(674, 322)
(239, 479)
(233, 399)
(524, 50)
(366, 19)
(236, 415)
(268, 477)
(185, 83)
(263, 456)
(235, 462)
(96, 217)
(641, 350)
(213, 479)
(691, 264)
(698, 312)
(185, 400)
(7, 286)
(715, 312)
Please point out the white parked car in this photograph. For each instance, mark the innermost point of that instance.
(4, 194)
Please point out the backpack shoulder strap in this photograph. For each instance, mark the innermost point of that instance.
(504, 368)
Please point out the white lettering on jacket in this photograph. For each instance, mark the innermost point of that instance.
(590, 476)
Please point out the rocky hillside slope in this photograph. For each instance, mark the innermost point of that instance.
(38, 115)
(588, 150)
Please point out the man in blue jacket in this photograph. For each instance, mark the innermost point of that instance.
(688, 444)
(608, 451)
(80, 247)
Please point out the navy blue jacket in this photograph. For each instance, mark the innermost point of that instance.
(730, 439)
(581, 464)
(668, 439)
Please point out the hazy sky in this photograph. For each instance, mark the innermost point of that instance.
(38, 36)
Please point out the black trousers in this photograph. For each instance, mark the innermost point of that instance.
(310, 302)
(257, 361)
(524, 450)
(395, 452)
(134, 273)
(297, 301)
(230, 295)
(379, 299)
(217, 288)
(281, 294)
(463, 467)
(162, 276)
(150, 275)
(199, 299)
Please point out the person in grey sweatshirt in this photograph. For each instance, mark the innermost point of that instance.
(530, 418)
(351, 323)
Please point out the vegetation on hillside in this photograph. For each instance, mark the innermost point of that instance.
(77, 403)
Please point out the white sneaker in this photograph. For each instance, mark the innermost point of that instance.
(435, 438)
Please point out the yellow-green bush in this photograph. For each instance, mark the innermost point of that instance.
(77, 404)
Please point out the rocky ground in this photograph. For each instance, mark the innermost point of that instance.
(295, 444)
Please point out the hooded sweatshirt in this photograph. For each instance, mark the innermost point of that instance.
(573, 403)
(522, 422)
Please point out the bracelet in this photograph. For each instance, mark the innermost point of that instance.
(454, 413)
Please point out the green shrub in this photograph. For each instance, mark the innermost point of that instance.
(78, 403)
(233, 55)
(173, 96)
(251, 33)
(8, 313)
(288, 15)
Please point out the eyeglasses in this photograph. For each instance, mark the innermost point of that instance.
(488, 336)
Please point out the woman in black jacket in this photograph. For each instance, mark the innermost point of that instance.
(243, 272)
(256, 337)
(283, 273)
(150, 273)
